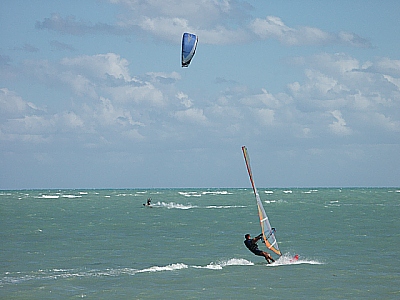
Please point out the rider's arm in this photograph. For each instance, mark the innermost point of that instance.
(257, 238)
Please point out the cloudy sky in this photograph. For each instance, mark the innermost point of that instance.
(92, 94)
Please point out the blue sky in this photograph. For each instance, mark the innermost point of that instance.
(92, 94)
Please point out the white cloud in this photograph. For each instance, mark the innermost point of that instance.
(104, 96)
(81, 85)
(352, 39)
(339, 127)
(216, 22)
(335, 63)
(185, 101)
(109, 74)
(318, 85)
(163, 19)
(266, 116)
(71, 120)
(386, 122)
(274, 27)
(99, 66)
(339, 85)
(395, 81)
(147, 94)
(165, 78)
(191, 115)
(264, 98)
(361, 102)
(336, 97)
(106, 113)
(21, 120)
(12, 105)
(172, 28)
(204, 12)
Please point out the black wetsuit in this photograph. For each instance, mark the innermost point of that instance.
(253, 247)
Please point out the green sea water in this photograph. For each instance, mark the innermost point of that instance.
(104, 244)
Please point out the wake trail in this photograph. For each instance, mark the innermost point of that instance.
(288, 259)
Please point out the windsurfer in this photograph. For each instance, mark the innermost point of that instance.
(251, 244)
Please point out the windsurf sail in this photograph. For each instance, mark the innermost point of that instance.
(268, 233)
(189, 44)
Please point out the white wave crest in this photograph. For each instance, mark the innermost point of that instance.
(49, 196)
(71, 196)
(310, 192)
(190, 194)
(221, 264)
(173, 205)
(275, 201)
(171, 267)
(287, 259)
(225, 206)
(217, 193)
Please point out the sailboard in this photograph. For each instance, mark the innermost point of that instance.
(189, 45)
(268, 233)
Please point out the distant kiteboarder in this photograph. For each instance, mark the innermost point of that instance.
(148, 203)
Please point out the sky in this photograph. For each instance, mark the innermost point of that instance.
(93, 95)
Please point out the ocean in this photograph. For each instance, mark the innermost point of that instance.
(104, 244)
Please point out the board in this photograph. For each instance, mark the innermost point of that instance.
(295, 258)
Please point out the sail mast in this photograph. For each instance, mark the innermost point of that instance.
(267, 231)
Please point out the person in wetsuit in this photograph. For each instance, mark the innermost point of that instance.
(251, 244)
(148, 203)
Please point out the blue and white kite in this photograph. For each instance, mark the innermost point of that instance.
(189, 44)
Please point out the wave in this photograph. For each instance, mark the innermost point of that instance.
(275, 201)
(217, 193)
(68, 196)
(71, 196)
(221, 264)
(126, 195)
(172, 267)
(18, 277)
(53, 274)
(5, 194)
(199, 194)
(310, 192)
(225, 206)
(48, 197)
(173, 205)
(190, 194)
(287, 259)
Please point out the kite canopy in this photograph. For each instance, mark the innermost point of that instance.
(189, 44)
